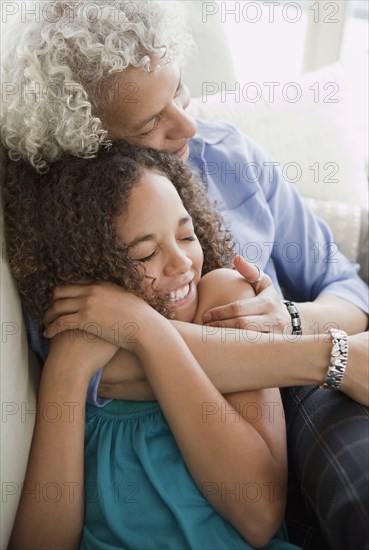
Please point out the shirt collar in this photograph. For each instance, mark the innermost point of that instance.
(208, 133)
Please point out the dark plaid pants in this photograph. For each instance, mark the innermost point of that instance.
(328, 452)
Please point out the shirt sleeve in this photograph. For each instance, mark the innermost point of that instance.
(42, 347)
(92, 398)
(306, 257)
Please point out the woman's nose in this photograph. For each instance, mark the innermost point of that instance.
(183, 125)
(177, 262)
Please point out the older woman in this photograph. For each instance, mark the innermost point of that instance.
(81, 75)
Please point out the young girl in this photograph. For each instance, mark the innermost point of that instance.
(192, 470)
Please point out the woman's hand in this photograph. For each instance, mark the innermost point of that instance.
(104, 310)
(355, 382)
(263, 313)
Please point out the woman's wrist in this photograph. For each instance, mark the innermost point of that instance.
(338, 360)
(296, 328)
(307, 358)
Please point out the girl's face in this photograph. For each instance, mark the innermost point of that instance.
(149, 109)
(160, 233)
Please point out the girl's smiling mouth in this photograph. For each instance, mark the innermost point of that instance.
(183, 294)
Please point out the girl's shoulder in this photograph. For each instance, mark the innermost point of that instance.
(220, 287)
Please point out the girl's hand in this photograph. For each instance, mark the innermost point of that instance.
(102, 309)
(355, 382)
(263, 313)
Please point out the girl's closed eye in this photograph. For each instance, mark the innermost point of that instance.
(146, 258)
(192, 238)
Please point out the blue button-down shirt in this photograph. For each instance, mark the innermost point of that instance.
(271, 225)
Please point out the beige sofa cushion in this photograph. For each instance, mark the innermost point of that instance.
(19, 381)
(320, 145)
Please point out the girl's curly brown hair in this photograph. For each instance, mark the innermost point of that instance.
(60, 226)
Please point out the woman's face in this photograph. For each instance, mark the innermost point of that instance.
(149, 109)
(160, 233)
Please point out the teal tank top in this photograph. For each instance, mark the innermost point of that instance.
(139, 493)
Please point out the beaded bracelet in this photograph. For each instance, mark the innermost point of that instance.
(295, 317)
(338, 362)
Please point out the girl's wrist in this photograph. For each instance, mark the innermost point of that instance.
(67, 372)
(154, 332)
(147, 326)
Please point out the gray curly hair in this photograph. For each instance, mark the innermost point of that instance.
(54, 67)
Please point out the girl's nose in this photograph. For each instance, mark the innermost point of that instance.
(177, 263)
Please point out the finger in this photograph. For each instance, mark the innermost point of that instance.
(61, 307)
(254, 324)
(229, 311)
(69, 322)
(72, 291)
(246, 269)
(251, 273)
(250, 306)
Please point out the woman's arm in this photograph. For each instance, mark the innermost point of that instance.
(316, 269)
(234, 360)
(51, 508)
(318, 316)
(267, 313)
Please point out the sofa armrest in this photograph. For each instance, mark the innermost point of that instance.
(20, 374)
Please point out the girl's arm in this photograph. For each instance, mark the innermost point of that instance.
(234, 448)
(51, 508)
(220, 445)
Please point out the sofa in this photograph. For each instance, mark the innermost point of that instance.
(310, 138)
